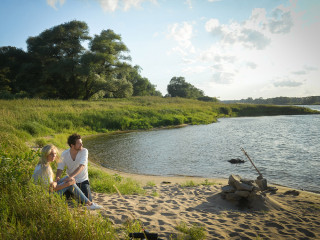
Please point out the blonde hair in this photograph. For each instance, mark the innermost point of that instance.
(45, 168)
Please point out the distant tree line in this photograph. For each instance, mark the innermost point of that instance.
(312, 100)
(178, 87)
(56, 65)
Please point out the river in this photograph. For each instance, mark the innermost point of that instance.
(284, 148)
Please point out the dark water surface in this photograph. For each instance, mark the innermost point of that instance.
(284, 148)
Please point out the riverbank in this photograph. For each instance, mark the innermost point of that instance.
(170, 201)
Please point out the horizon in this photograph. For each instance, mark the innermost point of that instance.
(231, 50)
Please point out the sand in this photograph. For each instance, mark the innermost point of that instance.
(278, 216)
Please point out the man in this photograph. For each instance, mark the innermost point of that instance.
(76, 160)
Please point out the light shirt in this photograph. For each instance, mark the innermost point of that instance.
(81, 158)
(46, 178)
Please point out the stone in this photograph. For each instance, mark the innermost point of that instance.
(244, 194)
(232, 197)
(228, 189)
(235, 160)
(247, 181)
(262, 183)
(233, 179)
(243, 187)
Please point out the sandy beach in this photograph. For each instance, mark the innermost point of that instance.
(279, 216)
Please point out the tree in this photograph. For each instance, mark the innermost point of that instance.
(105, 67)
(178, 87)
(141, 86)
(11, 63)
(57, 53)
(57, 65)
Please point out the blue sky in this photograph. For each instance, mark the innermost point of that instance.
(231, 49)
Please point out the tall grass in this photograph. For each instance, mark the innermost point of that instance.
(30, 212)
(26, 120)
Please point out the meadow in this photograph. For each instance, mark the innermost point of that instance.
(27, 211)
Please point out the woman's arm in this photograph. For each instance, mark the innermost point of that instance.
(56, 187)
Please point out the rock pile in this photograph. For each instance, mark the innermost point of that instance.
(246, 191)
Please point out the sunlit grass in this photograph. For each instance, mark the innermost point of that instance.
(191, 183)
(194, 232)
(29, 212)
(24, 120)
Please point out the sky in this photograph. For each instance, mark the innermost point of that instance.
(230, 49)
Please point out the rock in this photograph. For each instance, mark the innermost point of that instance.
(247, 181)
(228, 189)
(235, 160)
(255, 187)
(244, 187)
(233, 179)
(272, 189)
(262, 183)
(232, 197)
(244, 194)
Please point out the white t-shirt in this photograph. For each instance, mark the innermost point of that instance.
(46, 178)
(81, 158)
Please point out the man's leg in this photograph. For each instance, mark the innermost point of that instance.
(85, 188)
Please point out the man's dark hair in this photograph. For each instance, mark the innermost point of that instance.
(72, 139)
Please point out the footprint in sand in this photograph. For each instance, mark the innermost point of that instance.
(146, 213)
(245, 226)
(161, 223)
(273, 224)
(306, 232)
(168, 214)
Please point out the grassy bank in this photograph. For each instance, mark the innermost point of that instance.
(29, 212)
(41, 121)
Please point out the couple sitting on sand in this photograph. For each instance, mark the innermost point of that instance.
(76, 160)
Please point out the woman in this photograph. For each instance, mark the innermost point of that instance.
(43, 173)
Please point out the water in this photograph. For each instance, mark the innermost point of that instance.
(284, 148)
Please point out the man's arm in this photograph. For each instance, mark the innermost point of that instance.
(77, 171)
(58, 175)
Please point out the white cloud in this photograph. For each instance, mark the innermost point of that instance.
(250, 34)
(287, 83)
(252, 65)
(182, 34)
(53, 3)
(109, 5)
(266, 55)
(194, 69)
(213, 25)
(189, 3)
(281, 21)
(223, 77)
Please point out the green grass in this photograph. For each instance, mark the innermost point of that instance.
(191, 183)
(103, 182)
(29, 212)
(41, 121)
(194, 232)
